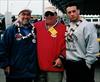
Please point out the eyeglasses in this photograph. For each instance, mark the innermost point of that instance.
(49, 14)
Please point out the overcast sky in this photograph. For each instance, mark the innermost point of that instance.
(15, 6)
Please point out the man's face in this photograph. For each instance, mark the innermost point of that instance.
(73, 13)
(50, 17)
(24, 17)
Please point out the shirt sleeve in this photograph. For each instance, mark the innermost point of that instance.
(92, 46)
(5, 46)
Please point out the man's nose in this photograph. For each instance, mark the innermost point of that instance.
(71, 13)
(26, 16)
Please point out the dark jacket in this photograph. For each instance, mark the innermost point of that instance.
(19, 54)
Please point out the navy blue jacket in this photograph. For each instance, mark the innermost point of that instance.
(20, 55)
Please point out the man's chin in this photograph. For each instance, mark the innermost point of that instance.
(73, 20)
(25, 23)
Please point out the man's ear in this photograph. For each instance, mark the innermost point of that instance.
(44, 17)
(78, 11)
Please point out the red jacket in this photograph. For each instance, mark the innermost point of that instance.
(49, 48)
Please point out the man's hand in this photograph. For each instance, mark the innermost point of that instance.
(7, 69)
(57, 63)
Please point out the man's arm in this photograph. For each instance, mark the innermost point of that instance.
(92, 47)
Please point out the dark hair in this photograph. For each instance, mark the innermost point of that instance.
(72, 3)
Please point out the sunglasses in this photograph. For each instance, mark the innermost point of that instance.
(49, 14)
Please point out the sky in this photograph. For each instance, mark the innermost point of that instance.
(14, 6)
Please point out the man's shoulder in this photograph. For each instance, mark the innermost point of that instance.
(39, 22)
(11, 27)
(63, 26)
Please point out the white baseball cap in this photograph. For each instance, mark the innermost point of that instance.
(51, 9)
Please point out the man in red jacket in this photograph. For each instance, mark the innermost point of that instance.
(50, 46)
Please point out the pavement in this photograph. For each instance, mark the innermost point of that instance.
(97, 73)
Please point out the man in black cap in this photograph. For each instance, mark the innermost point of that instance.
(18, 50)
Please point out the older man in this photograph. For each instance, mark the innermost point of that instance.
(18, 50)
(51, 46)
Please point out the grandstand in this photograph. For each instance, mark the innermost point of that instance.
(92, 18)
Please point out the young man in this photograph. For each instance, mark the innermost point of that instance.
(82, 46)
(51, 46)
(18, 50)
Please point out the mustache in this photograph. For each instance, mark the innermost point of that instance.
(24, 22)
